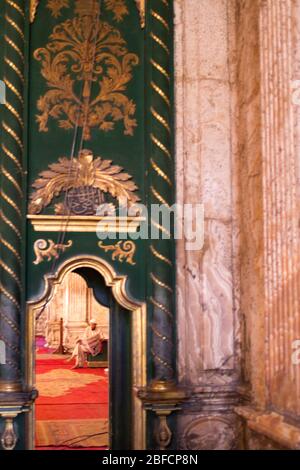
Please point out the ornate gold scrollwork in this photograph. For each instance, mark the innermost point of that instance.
(93, 53)
(48, 250)
(123, 251)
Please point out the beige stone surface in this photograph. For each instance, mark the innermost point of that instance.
(206, 305)
(238, 152)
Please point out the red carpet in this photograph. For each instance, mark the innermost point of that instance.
(64, 395)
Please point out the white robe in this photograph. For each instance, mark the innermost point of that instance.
(91, 343)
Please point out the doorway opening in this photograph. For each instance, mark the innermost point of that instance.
(95, 406)
(72, 410)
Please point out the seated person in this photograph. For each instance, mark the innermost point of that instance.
(90, 343)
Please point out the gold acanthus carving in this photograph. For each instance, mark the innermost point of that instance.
(43, 249)
(91, 52)
(123, 251)
(82, 172)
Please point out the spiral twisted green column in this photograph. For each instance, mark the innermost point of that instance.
(161, 176)
(11, 193)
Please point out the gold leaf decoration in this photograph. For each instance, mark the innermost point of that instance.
(93, 54)
(141, 4)
(82, 172)
(55, 6)
(118, 7)
(123, 250)
(33, 9)
(43, 249)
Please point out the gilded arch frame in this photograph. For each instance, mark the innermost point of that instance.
(118, 286)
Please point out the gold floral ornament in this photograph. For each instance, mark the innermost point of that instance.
(123, 250)
(79, 176)
(55, 6)
(93, 53)
(43, 249)
(118, 7)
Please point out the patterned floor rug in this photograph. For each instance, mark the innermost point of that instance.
(72, 433)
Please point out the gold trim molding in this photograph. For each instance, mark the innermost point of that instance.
(138, 334)
(77, 223)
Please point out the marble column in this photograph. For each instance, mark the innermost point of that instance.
(209, 335)
(268, 132)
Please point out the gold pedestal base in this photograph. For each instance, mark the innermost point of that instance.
(163, 398)
(162, 392)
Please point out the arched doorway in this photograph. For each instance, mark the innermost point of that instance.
(127, 350)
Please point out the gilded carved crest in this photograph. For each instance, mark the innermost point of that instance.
(87, 68)
(82, 180)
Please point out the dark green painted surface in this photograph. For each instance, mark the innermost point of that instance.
(126, 151)
(133, 154)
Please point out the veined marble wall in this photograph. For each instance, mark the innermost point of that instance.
(209, 326)
(238, 152)
(269, 34)
(281, 214)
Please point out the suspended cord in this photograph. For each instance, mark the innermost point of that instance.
(82, 140)
(67, 211)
